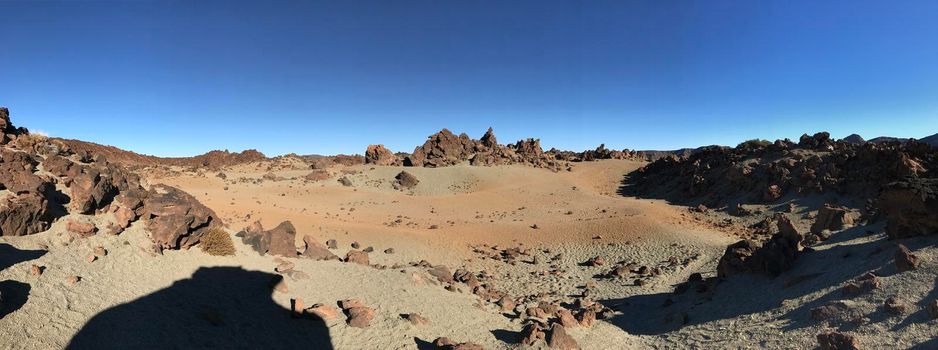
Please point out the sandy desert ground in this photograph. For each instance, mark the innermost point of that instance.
(579, 215)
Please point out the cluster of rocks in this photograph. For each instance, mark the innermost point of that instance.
(775, 256)
(768, 172)
(47, 180)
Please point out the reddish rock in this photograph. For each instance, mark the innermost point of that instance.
(317, 251)
(35, 270)
(905, 260)
(442, 273)
(359, 317)
(596, 261)
(586, 318)
(831, 218)
(379, 155)
(81, 228)
(282, 240)
(837, 341)
(24, 214)
(895, 306)
(557, 338)
(324, 312)
(357, 257)
(862, 285)
(566, 318)
(531, 333)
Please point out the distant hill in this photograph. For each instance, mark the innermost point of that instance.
(857, 139)
(214, 159)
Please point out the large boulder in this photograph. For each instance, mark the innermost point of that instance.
(175, 219)
(405, 180)
(775, 256)
(910, 207)
(24, 214)
(831, 218)
(379, 155)
(282, 240)
(442, 149)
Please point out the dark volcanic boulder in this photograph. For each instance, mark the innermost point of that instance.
(378, 155)
(24, 214)
(175, 219)
(405, 180)
(910, 207)
(777, 255)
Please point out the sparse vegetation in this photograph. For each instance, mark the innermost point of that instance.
(217, 242)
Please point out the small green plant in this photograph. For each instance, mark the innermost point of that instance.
(217, 242)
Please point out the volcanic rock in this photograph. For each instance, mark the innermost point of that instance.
(910, 207)
(175, 219)
(317, 251)
(357, 257)
(282, 240)
(905, 260)
(378, 155)
(405, 180)
(557, 338)
(831, 218)
(837, 341)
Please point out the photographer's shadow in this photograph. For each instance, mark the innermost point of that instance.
(219, 307)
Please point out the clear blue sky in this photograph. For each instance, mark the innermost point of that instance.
(181, 78)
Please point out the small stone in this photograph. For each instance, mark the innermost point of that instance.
(355, 245)
(360, 317)
(389, 251)
(91, 258)
(35, 270)
(100, 251)
(894, 306)
(932, 308)
(284, 267)
(73, 279)
(368, 250)
(332, 244)
(557, 338)
(905, 260)
(357, 257)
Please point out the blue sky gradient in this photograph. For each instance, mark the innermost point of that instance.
(181, 78)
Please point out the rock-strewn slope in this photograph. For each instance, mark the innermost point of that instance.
(42, 180)
(211, 159)
(763, 172)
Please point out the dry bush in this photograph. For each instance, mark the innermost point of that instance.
(217, 242)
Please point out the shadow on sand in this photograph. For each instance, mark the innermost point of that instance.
(218, 307)
(747, 294)
(14, 293)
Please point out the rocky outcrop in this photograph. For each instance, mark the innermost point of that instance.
(775, 256)
(212, 159)
(92, 185)
(776, 171)
(278, 241)
(910, 207)
(446, 149)
(175, 219)
(378, 155)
